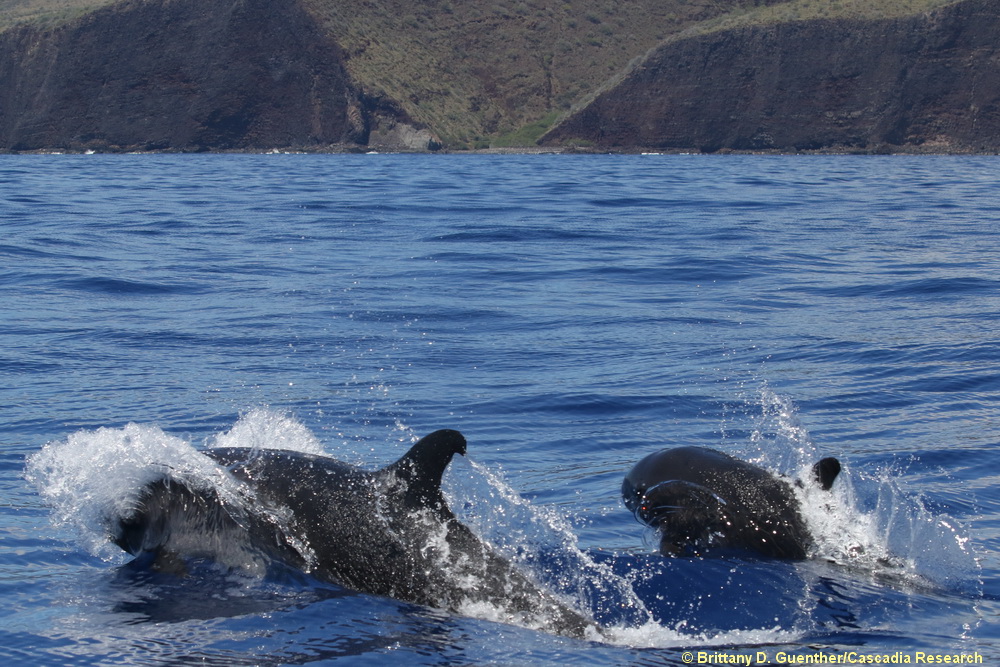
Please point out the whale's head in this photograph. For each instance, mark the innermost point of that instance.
(700, 500)
(688, 517)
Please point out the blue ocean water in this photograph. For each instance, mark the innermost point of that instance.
(569, 314)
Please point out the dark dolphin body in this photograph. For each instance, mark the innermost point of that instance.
(388, 532)
(702, 501)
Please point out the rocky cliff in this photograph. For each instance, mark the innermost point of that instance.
(178, 74)
(924, 82)
(241, 74)
(479, 71)
(388, 74)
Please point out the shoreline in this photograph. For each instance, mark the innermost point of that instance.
(524, 150)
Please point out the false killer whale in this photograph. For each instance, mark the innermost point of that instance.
(702, 501)
(388, 532)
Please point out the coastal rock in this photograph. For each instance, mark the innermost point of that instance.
(259, 74)
(926, 82)
(178, 75)
(398, 136)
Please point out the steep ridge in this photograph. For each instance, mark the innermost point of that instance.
(240, 74)
(45, 12)
(477, 72)
(640, 74)
(177, 74)
(929, 82)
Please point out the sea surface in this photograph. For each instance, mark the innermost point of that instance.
(568, 314)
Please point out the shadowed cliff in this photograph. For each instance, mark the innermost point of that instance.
(709, 75)
(177, 74)
(239, 74)
(924, 82)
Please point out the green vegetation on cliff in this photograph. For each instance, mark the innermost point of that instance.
(476, 73)
(807, 10)
(501, 72)
(746, 16)
(45, 12)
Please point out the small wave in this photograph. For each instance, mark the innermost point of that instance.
(919, 288)
(943, 286)
(700, 270)
(103, 285)
(648, 202)
(9, 365)
(23, 251)
(521, 234)
(955, 383)
(588, 404)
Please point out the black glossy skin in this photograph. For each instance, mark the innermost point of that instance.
(388, 532)
(704, 502)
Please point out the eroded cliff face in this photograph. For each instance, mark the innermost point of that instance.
(258, 74)
(926, 82)
(178, 74)
(476, 70)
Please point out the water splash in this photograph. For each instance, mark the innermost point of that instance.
(542, 543)
(867, 524)
(867, 521)
(263, 428)
(93, 477)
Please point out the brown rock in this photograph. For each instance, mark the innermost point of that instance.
(177, 74)
(926, 82)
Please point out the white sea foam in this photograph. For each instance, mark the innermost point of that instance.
(654, 635)
(94, 477)
(866, 521)
(263, 428)
(542, 543)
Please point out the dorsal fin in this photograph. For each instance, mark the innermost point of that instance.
(421, 468)
(826, 471)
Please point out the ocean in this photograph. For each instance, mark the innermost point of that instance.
(569, 314)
